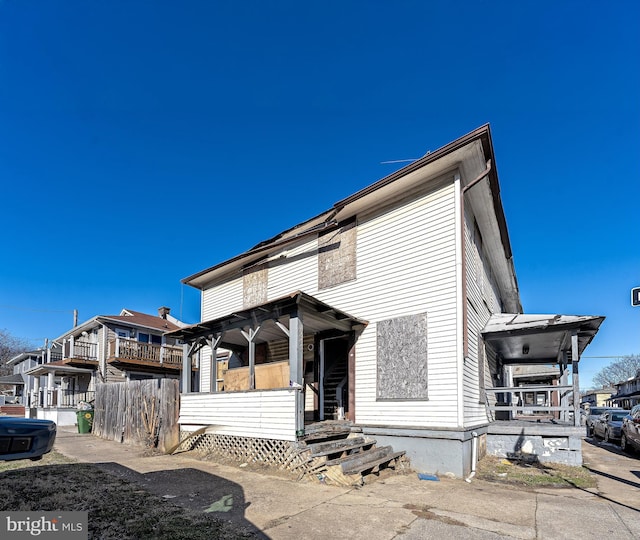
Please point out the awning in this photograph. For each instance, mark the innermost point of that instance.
(317, 316)
(538, 339)
(45, 369)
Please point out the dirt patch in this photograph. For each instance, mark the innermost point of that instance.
(533, 474)
(117, 509)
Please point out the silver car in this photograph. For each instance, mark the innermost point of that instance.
(608, 426)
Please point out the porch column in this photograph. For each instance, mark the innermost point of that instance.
(250, 335)
(564, 381)
(508, 382)
(213, 342)
(296, 366)
(35, 393)
(575, 359)
(186, 369)
(50, 386)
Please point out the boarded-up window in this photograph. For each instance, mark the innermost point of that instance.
(254, 284)
(402, 358)
(337, 256)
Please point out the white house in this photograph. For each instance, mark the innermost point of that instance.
(377, 310)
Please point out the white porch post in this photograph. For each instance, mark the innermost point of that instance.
(186, 369)
(35, 393)
(296, 366)
(575, 359)
(50, 386)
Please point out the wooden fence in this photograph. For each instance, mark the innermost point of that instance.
(138, 412)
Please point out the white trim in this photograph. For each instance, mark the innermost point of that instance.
(459, 257)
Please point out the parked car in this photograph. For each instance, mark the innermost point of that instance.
(609, 425)
(25, 438)
(630, 438)
(592, 415)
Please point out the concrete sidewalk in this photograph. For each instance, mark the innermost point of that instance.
(396, 507)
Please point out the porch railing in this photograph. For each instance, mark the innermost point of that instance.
(130, 349)
(57, 397)
(81, 350)
(68, 398)
(532, 400)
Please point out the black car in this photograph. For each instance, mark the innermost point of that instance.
(25, 438)
(630, 438)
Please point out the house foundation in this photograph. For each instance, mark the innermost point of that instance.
(536, 442)
(434, 451)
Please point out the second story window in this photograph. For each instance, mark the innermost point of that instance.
(149, 338)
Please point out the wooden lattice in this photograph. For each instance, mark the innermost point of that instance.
(284, 455)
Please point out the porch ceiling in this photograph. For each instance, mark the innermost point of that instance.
(544, 337)
(316, 317)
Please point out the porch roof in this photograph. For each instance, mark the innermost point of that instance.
(15, 379)
(317, 317)
(538, 339)
(45, 369)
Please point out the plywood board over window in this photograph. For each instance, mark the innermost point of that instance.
(402, 358)
(254, 286)
(337, 255)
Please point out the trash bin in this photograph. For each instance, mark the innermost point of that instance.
(85, 421)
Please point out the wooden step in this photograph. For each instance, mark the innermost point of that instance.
(367, 460)
(328, 429)
(338, 446)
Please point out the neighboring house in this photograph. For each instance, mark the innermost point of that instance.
(398, 308)
(600, 397)
(104, 349)
(539, 384)
(627, 393)
(20, 364)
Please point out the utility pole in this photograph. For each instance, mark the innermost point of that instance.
(75, 318)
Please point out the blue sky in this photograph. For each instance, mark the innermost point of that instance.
(143, 141)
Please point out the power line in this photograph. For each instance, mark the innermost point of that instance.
(619, 356)
(19, 308)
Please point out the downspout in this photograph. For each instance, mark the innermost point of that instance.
(474, 456)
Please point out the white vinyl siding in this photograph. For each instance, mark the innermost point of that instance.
(222, 299)
(405, 266)
(205, 370)
(482, 300)
(263, 414)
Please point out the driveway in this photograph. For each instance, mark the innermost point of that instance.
(618, 473)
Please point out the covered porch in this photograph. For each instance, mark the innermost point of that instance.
(58, 398)
(285, 357)
(535, 407)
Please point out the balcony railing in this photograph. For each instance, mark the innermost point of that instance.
(82, 350)
(130, 349)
